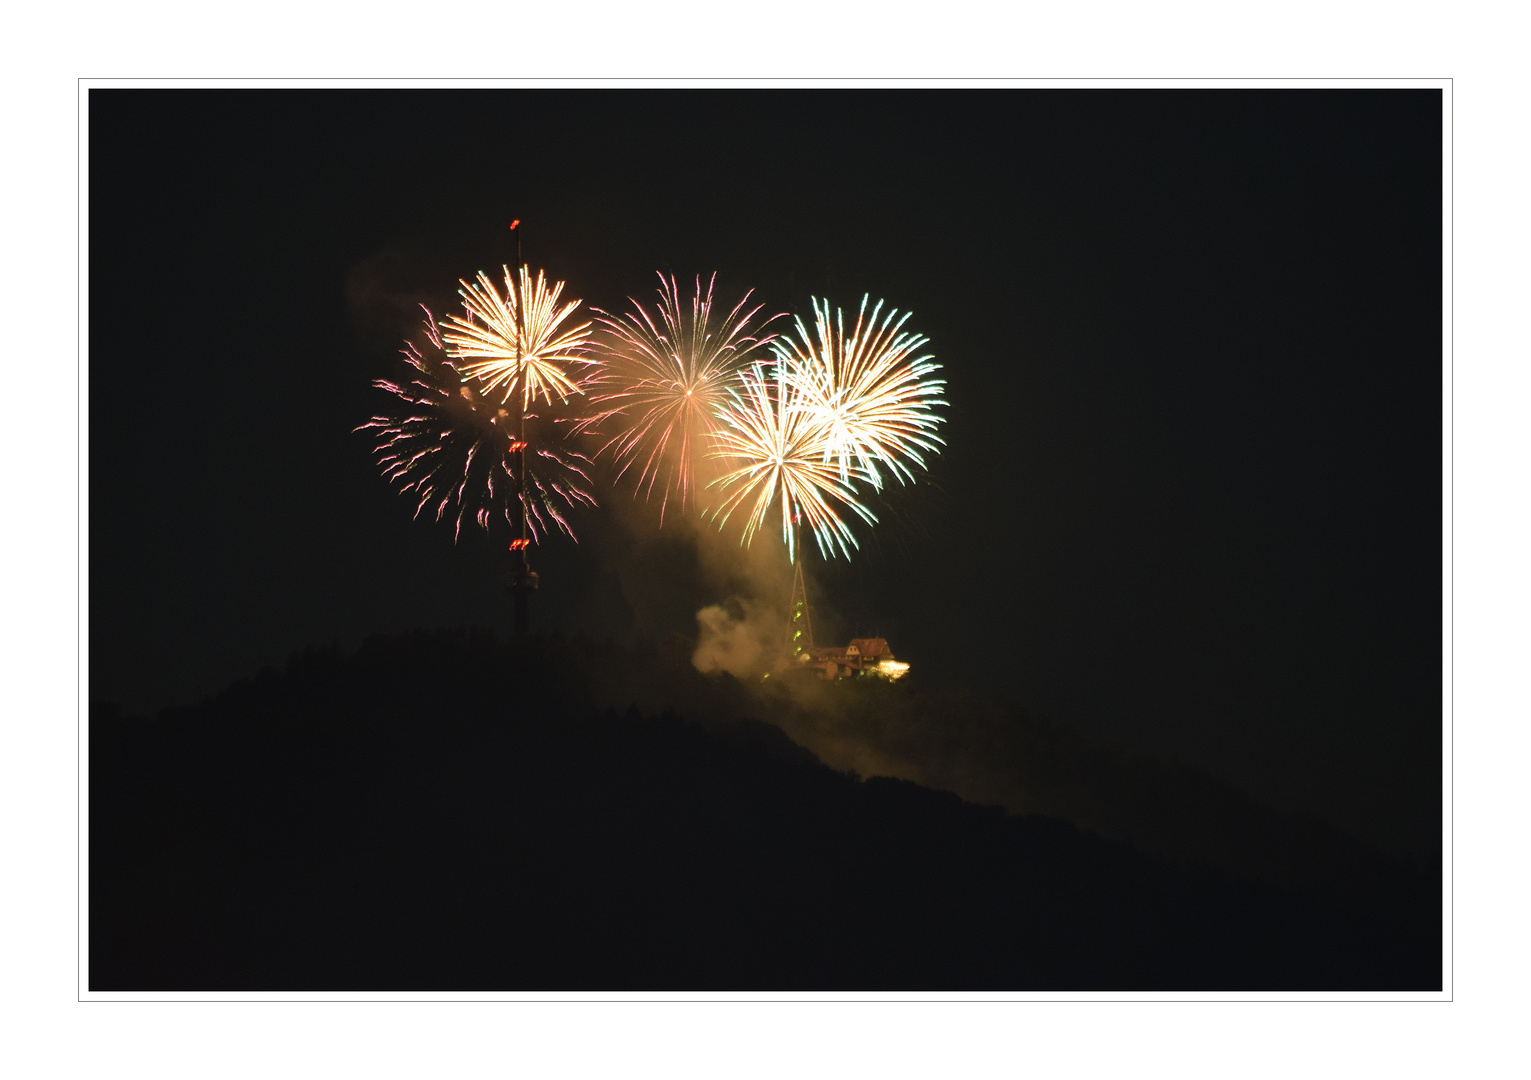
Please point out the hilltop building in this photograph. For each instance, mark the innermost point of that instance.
(862, 657)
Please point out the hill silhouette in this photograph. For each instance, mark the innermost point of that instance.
(442, 811)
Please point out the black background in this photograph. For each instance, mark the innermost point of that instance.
(1191, 498)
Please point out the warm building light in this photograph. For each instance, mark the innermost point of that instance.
(891, 669)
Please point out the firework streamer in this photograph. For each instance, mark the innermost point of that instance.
(664, 380)
(777, 449)
(868, 392)
(517, 337)
(451, 447)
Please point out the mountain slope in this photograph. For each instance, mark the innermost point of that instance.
(441, 812)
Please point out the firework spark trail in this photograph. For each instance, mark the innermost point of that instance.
(453, 448)
(485, 338)
(869, 393)
(781, 445)
(664, 379)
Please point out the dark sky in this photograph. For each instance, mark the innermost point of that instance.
(1191, 499)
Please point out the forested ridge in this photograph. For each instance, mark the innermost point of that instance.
(443, 811)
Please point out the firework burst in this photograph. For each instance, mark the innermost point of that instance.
(867, 393)
(452, 448)
(664, 382)
(777, 446)
(835, 411)
(516, 337)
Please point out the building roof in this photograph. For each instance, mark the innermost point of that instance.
(873, 647)
(826, 652)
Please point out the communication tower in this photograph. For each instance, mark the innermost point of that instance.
(799, 625)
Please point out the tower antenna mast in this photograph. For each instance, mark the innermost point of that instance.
(799, 625)
(522, 579)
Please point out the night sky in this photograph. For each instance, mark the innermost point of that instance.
(1191, 497)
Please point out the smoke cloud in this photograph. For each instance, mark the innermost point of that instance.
(690, 577)
(745, 633)
(742, 637)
